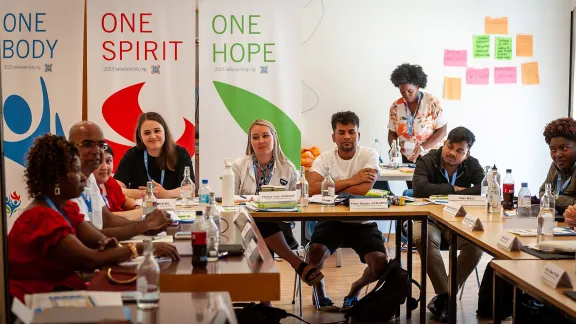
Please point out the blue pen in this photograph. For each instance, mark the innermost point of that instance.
(243, 197)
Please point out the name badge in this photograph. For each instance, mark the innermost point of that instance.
(473, 223)
(468, 200)
(278, 196)
(368, 203)
(555, 276)
(166, 204)
(509, 242)
(455, 209)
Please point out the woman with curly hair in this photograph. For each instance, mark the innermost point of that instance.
(416, 119)
(560, 135)
(51, 240)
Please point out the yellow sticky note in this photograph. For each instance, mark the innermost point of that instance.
(524, 45)
(452, 88)
(530, 73)
(496, 25)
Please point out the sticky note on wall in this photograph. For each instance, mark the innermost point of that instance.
(505, 75)
(481, 46)
(452, 88)
(496, 25)
(455, 57)
(524, 45)
(530, 74)
(503, 48)
(477, 76)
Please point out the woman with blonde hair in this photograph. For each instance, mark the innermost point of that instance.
(266, 164)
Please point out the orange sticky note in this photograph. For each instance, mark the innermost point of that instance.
(452, 88)
(496, 25)
(524, 45)
(530, 73)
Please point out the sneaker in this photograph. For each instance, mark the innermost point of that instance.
(437, 304)
(326, 305)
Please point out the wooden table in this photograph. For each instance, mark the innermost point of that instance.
(525, 275)
(394, 175)
(245, 278)
(211, 307)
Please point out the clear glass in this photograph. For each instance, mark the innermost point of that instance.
(328, 190)
(524, 201)
(212, 236)
(187, 189)
(302, 189)
(395, 155)
(148, 281)
(214, 211)
(204, 193)
(494, 195)
(149, 201)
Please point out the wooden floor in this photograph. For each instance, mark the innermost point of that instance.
(338, 281)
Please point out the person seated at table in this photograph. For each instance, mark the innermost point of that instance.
(446, 171)
(560, 135)
(354, 170)
(111, 191)
(89, 139)
(156, 158)
(266, 164)
(51, 240)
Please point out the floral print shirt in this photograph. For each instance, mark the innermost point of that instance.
(429, 117)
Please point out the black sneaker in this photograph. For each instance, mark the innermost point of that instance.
(438, 304)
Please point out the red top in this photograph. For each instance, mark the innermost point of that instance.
(33, 234)
(114, 198)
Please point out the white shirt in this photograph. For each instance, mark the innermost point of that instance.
(345, 169)
(92, 194)
(283, 174)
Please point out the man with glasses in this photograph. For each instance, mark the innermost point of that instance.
(448, 170)
(90, 140)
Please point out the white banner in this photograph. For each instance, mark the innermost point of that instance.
(249, 68)
(41, 48)
(141, 58)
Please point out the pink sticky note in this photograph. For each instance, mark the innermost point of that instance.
(503, 75)
(455, 57)
(477, 76)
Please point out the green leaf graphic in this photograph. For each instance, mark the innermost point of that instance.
(246, 106)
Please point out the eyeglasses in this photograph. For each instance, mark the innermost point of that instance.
(91, 144)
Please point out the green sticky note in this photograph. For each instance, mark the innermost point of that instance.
(481, 46)
(503, 48)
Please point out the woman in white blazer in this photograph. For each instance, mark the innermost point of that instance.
(266, 164)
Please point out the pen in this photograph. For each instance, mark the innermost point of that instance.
(223, 255)
(243, 197)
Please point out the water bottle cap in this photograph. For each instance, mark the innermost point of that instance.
(494, 167)
(508, 170)
(204, 181)
(524, 184)
(376, 140)
(199, 213)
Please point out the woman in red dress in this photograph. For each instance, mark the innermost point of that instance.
(51, 240)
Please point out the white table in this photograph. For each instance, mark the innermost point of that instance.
(394, 175)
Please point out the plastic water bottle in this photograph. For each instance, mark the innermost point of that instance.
(204, 193)
(212, 236)
(524, 201)
(228, 184)
(302, 189)
(187, 189)
(149, 201)
(328, 190)
(376, 147)
(148, 281)
(546, 224)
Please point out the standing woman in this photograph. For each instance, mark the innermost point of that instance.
(266, 164)
(416, 119)
(156, 158)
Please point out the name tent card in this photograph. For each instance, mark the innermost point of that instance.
(247, 228)
(468, 200)
(473, 223)
(509, 242)
(166, 204)
(368, 203)
(555, 276)
(455, 209)
(278, 196)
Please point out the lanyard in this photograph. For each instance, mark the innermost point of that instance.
(61, 212)
(88, 203)
(453, 176)
(105, 200)
(148, 174)
(409, 117)
(564, 186)
(257, 179)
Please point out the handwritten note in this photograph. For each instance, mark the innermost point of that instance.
(505, 75)
(524, 45)
(496, 25)
(481, 46)
(503, 48)
(455, 57)
(452, 88)
(477, 76)
(530, 74)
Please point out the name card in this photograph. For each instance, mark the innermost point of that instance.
(509, 242)
(368, 203)
(278, 196)
(468, 200)
(455, 209)
(166, 204)
(246, 229)
(473, 223)
(555, 276)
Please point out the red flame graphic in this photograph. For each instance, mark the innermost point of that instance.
(15, 196)
(121, 111)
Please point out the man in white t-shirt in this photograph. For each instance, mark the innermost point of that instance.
(354, 170)
(90, 141)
